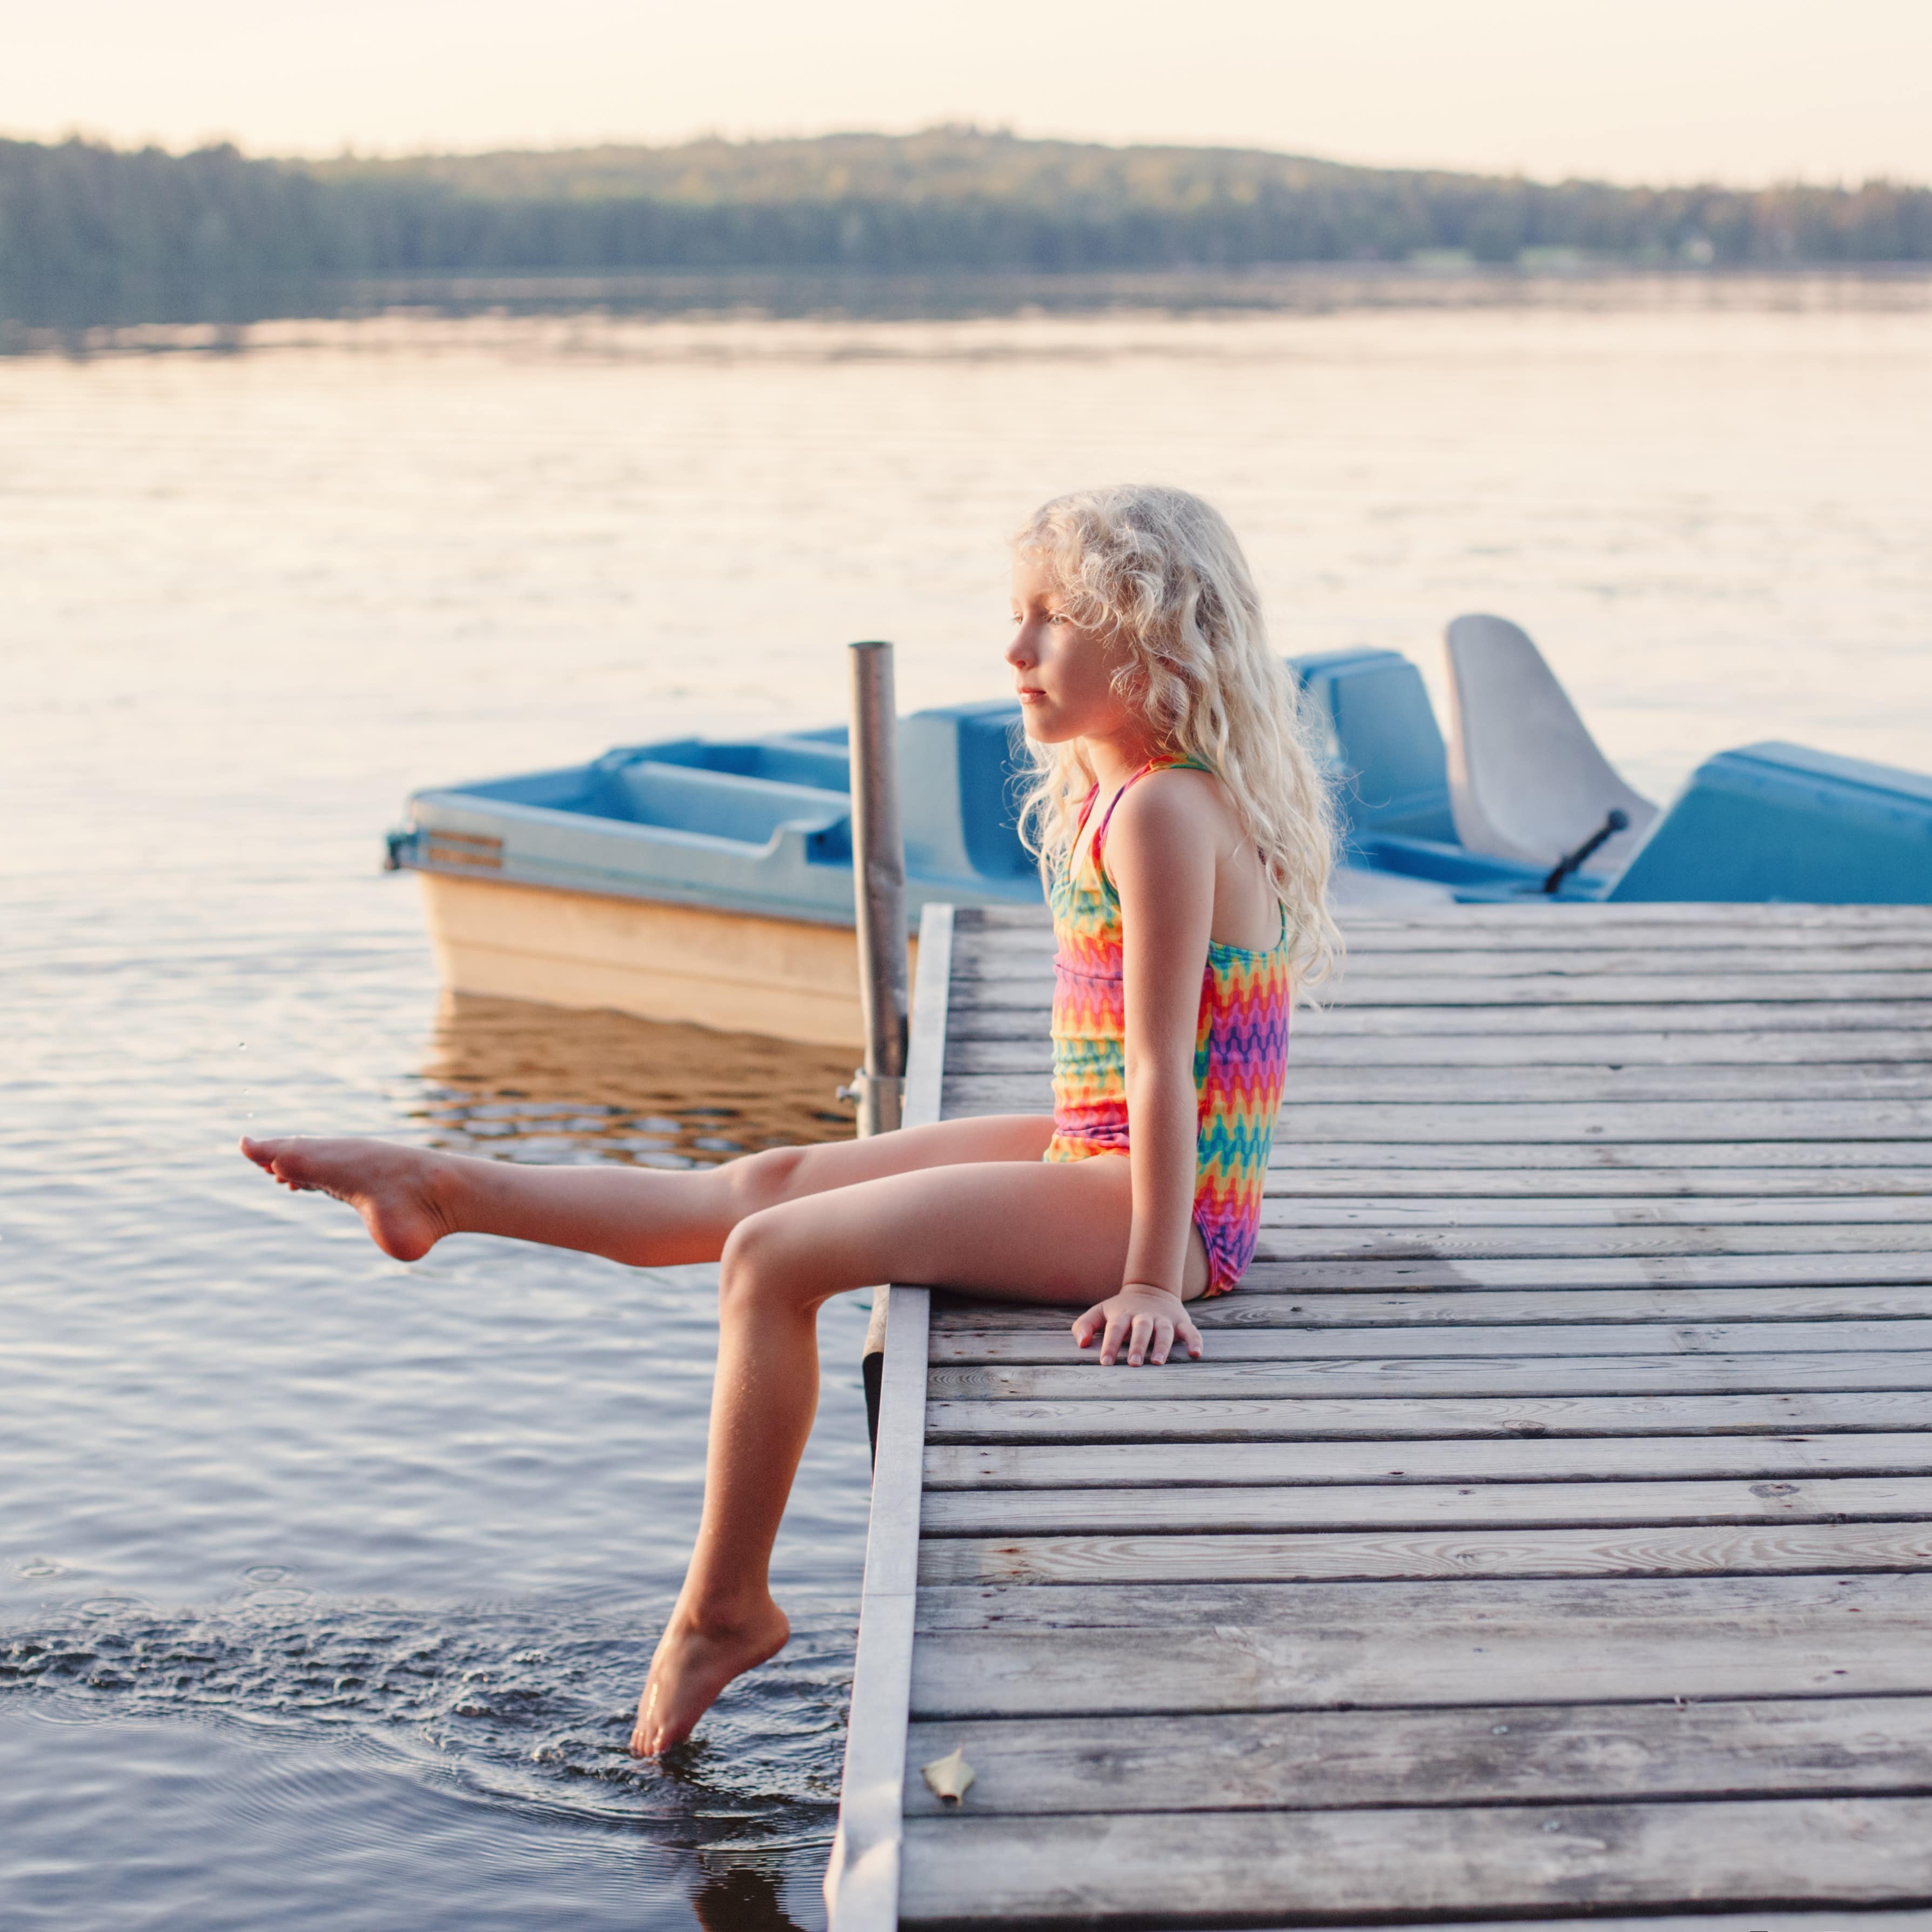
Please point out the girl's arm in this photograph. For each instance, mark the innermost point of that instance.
(1160, 854)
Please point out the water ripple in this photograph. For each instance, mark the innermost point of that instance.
(518, 1702)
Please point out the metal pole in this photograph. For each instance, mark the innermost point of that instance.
(879, 893)
(879, 888)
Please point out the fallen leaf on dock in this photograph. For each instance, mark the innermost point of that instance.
(948, 1777)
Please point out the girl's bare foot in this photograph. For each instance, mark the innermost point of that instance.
(400, 1191)
(694, 1661)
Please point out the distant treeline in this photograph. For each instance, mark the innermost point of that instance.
(85, 223)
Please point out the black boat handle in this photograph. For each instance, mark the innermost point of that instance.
(1616, 821)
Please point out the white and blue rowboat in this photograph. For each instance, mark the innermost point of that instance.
(709, 880)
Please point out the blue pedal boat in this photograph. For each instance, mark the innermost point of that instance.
(1764, 822)
(709, 880)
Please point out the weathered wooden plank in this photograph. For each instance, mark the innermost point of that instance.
(1598, 920)
(1288, 1208)
(1775, 1161)
(1818, 1017)
(1596, 913)
(1752, 1919)
(1333, 1760)
(1752, 931)
(1121, 1416)
(1027, 1049)
(1571, 1085)
(1083, 1515)
(1014, 917)
(1282, 1277)
(1038, 1670)
(1424, 986)
(1319, 1046)
(1205, 1866)
(1533, 1083)
(1721, 961)
(1594, 1183)
(1456, 1122)
(1435, 1342)
(1450, 925)
(1252, 1309)
(974, 1094)
(1714, 953)
(1310, 1631)
(1408, 1378)
(1077, 1466)
(1318, 1555)
(1275, 1243)
(995, 1010)
(1660, 1121)
(1701, 953)
(1756, 1919)
(1015, 1650)
(1267, 1276)
(1365, 932)
(1470, 1200)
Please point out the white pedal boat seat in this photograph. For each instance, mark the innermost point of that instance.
(1526, 781)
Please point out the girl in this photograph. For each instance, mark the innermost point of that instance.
(1185, 832)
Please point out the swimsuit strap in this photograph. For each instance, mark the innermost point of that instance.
(1162, 764)
(1086, 811)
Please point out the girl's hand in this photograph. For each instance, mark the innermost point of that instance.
(1148, 1319)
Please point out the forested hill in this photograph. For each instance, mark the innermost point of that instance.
(76, 216)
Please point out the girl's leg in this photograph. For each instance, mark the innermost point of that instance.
(409, 1198)
(1030, 1231)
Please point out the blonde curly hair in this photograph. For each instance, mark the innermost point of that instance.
(1160, 570)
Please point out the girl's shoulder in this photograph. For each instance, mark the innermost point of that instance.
(1184, 789)
(1179, 809)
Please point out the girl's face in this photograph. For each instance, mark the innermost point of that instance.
(1064, 674)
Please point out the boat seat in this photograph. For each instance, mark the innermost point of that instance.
(1391, 776)
(1526, 781)
(1384, 747)
(782, 759)
(705, 804)
(962, 768)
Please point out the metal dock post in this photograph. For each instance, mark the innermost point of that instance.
(879, 891)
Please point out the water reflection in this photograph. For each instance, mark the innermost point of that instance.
(225, 317)
(741, 1898)
(524, 1082)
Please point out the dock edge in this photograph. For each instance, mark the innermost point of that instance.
(861, 1878)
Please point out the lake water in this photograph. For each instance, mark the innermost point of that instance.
(325, 1584)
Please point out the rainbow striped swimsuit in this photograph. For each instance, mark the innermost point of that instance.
(1240, 1051)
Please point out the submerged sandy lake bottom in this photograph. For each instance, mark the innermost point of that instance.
(325, 1585)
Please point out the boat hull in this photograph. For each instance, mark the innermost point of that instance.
(737, 972)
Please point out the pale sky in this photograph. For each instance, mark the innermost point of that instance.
(1738, 91)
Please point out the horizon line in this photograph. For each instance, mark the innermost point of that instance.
(350, 151)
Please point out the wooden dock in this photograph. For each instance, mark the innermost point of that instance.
(1547, 1534)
